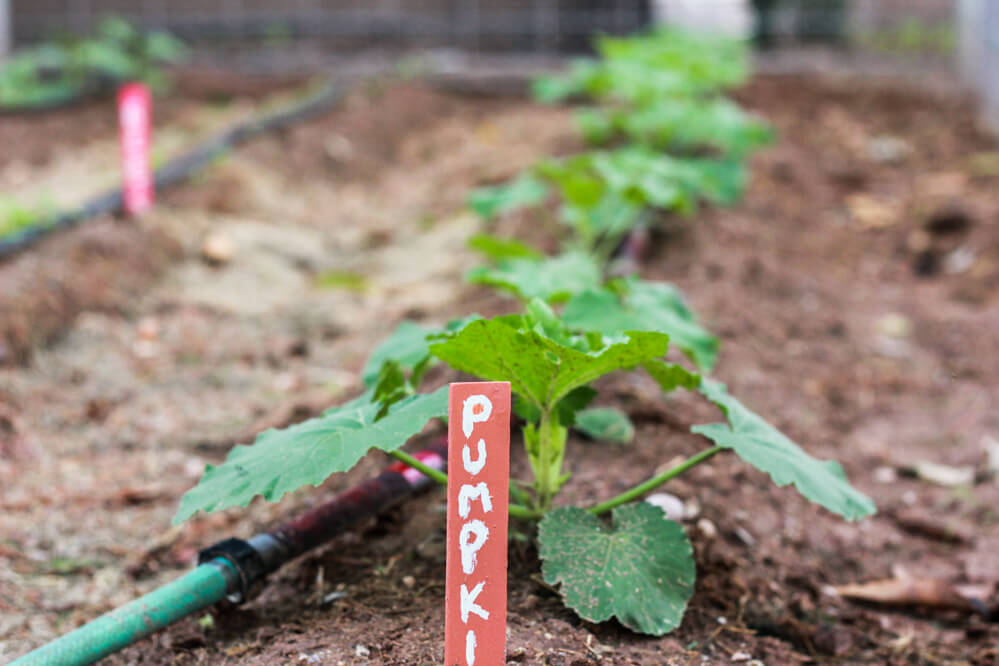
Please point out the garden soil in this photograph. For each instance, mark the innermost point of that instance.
(855, 290)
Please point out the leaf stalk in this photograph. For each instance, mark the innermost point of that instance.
(435, 474)
(654, 482)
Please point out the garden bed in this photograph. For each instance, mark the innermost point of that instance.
(854, 290)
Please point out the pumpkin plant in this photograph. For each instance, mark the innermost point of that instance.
(551, 367)
(575, 326)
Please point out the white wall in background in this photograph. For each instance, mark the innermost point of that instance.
(6, 29)
(733, 18)
(970, 19)
(978, 27)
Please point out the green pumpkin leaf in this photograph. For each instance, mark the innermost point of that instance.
(525, 190)
(650, 306)
(640, 571)
(307, 453)
(573, 404)
(670, 376)
(407, 346)
(552, 279)
(498, 249)
(540, 369)
(769, 450)
(606, 423)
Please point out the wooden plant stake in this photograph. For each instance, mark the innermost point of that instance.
(477, 500)
(135, 125)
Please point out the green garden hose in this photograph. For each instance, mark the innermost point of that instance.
(205, 585)
(230, 568)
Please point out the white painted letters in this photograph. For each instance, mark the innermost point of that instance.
(477, 409)
(470, 644)
(468, 493)
(468, 604)
(469, 549)
(474, 467)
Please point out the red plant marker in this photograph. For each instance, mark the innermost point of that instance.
(134, 122)
(477, 498)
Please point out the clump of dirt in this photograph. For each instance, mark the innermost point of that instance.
(102, 266)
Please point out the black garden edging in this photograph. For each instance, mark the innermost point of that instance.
(180, 168)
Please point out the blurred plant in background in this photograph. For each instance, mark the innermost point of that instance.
(664, 135)
(16, 216)
(68, 69)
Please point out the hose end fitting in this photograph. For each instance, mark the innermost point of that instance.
(244, 558)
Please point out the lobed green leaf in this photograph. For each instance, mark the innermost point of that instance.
(769, 450)
(606, 423)
(499, 249)
(553, 279)
(525, 190)
(641, 570)
(407, 346)
(640, 305)
(307, 453)
(540, 369)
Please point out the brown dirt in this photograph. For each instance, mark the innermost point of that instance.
(42, 291)
(854, 313)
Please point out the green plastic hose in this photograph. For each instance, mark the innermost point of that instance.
(206, 585)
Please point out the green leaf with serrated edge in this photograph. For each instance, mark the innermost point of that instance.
(390, 387)
(606, 423)
(566, 409)
(766, 448)
(498, 249)
(643, 306)
(539, 368)
(641, 570)
(670, 376)
(525, 190)
(576, 400)
(307, 453)
(553, 279)
(389, 381)
(525, 409)
(407, 346)
(688, 125)
(551, 89)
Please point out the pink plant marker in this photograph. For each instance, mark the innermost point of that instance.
(134, 121)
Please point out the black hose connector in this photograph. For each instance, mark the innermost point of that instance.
(244, 558)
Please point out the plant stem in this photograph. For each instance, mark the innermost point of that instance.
(654, 482)
(518, 494)
(551, 451)
(518, 511)
(435, 474)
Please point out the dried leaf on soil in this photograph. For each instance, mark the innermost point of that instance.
(907, 591)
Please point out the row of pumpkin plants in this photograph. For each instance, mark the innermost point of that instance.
(664, 138)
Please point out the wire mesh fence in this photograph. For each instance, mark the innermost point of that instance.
(506, 25)
(469, 24)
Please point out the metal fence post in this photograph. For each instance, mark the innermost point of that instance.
(6, 29)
